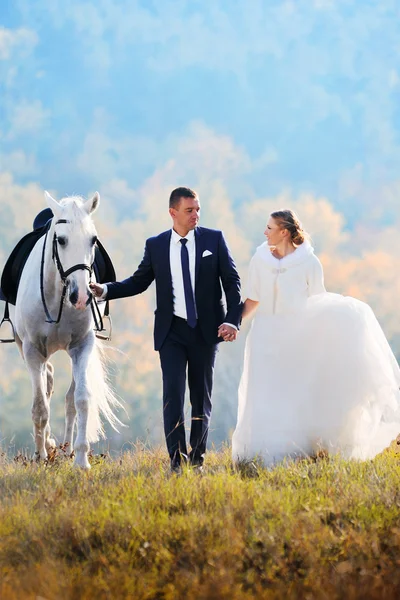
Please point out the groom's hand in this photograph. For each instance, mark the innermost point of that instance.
(96, 289)
(228, 333)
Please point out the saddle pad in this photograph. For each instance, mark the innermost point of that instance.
(103, 267)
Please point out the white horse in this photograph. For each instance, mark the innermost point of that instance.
(60, 264)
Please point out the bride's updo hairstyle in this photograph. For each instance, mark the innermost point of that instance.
(287, 219)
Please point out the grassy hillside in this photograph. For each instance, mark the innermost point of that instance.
(321, 528)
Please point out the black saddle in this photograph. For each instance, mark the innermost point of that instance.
(103, 267)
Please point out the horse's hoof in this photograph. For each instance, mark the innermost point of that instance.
(81, 461)
(50, 444)
(86, 467)
(39, 456)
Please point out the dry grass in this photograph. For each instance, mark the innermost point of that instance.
(311, 529)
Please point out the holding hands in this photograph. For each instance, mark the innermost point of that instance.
(228, 333)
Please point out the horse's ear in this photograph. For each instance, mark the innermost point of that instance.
(54, 205)
(92, 204)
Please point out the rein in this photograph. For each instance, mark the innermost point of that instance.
(98, 321)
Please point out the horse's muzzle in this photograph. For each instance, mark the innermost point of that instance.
(73, 297)
(80, 301)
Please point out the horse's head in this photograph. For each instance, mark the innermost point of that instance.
(74, 243)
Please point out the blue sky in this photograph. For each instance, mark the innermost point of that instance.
(307, 91)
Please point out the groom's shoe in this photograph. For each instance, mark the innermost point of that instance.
(196, 462)
(177, 462)
(198, 469)
(176, 469)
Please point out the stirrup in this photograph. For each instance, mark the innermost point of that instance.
(6, 319)
(105, 333)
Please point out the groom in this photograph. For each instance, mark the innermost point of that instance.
(188, 264)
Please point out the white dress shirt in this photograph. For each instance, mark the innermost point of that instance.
(176, 270)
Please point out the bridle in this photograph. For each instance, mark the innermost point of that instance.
(98, 321)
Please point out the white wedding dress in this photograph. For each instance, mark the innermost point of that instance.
(318, 371)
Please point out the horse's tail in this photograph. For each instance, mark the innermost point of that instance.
(103, 401)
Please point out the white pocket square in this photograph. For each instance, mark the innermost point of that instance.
(206, 253)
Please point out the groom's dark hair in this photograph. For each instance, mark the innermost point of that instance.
(178, 193)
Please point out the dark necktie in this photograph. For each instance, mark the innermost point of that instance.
(187, 285)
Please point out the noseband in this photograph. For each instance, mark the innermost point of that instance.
(64, 275)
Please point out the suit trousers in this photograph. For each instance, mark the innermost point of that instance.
(185, 350)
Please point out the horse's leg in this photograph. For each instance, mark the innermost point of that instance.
(49, 442)
(50, 380)
(70, 414)
(80, 356)
(19, 344)
(36, 364)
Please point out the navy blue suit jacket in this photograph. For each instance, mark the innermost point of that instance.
(211, 271)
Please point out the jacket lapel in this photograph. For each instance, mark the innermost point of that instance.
(198, 236)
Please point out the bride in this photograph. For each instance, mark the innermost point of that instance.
(318, 371)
